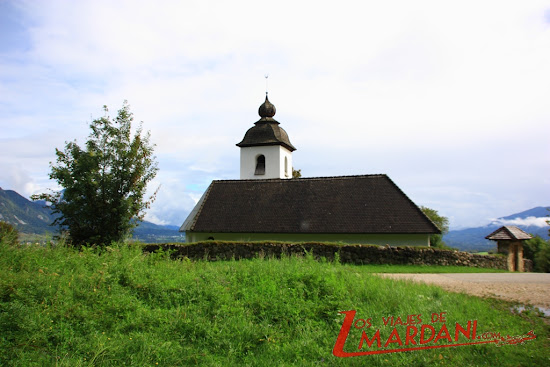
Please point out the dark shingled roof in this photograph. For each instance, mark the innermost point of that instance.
(509, 233)
(266, 130)
(345, 204)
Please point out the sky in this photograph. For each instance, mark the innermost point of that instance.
(450, 99)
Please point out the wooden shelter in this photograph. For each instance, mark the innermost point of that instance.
(510, 242)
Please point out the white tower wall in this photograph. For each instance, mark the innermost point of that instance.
(275, 166)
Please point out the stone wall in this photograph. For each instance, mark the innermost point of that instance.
(348, 254)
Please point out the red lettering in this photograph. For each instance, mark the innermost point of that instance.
(397, 339)
(386, 320)
(359, 324)
(338, 350)
(412, 331)
(410, 320)
(440, 334)
(459, 329)
(422, 331)
(364, 337)
(398, 321)
(409, 337)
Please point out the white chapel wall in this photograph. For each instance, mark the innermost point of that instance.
(349, 238)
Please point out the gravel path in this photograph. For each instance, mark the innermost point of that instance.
(526, 288)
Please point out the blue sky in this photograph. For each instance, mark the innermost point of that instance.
(450, 99)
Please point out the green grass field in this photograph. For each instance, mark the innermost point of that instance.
(62, 307)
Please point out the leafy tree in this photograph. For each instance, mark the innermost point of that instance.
(538, 250)
(533, 246)
(436, 240)
(8, 234)
(296, 173)
(103, 183)
(542, 260)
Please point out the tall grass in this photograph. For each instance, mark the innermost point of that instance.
(63, 307)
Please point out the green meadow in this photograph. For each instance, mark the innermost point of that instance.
(117, 306)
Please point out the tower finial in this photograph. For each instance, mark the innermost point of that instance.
(267, 110)
(266, 76)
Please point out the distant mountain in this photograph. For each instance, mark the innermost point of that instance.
(152, 233)
(27, 216)
(35, 218)
(532, 221)
(538, 212)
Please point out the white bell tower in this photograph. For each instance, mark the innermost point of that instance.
(266, 151)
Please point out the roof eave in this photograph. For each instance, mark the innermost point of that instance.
(287, 146)
(191, 219)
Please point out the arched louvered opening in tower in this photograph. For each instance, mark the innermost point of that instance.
(260, 165)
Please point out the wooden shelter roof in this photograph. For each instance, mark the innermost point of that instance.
(509, 233)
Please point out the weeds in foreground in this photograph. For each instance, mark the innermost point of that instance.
(116, 306)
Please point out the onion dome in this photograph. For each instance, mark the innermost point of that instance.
(266, 130)
(267, 109)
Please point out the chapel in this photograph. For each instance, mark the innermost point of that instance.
(268, 204)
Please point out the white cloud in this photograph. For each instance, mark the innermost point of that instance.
(447, 98)
(526, 222)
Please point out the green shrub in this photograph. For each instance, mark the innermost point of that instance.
(542, 260)
(8, 234)
(538, 250)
